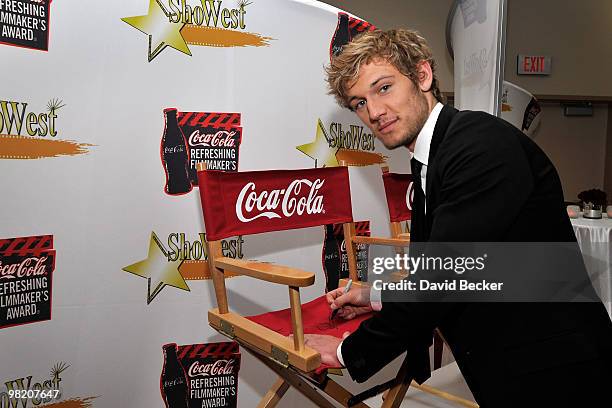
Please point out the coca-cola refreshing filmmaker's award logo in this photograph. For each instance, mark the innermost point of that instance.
(335, 257)
(179, 260)
(179, 24)
(190, 138)
(25, 23)
(347, 28)
(26, 276)
(200, 375)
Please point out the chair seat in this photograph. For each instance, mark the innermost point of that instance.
(315, 316)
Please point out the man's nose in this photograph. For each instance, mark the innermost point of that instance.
(375, 110)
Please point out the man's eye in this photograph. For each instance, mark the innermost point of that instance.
(359, 105)
(384, 88)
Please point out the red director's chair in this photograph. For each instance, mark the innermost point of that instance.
(255, 202)
(235, 204)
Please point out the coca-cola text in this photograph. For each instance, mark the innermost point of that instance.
(32, 266)
(219, 367)
(290, 200)
(221, 138)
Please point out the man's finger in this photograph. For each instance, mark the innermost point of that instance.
(342, 300)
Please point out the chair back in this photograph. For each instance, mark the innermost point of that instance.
(399, 193)
(253, 202)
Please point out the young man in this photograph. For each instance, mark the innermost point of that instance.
(481, 180)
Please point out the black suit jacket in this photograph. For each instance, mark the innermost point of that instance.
(488, 182)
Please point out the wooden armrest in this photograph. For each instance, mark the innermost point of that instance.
(263, 339)
(396, 242)
(404, 235)
(265, 271)
(356, 284)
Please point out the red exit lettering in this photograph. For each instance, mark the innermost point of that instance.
(533, 64)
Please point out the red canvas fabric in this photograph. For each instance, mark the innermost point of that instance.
(398, 189)
(261, 201)
(315, 317)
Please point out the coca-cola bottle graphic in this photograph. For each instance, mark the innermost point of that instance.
(332, 264)
(342, 35)
(175, 155)
(173, 381)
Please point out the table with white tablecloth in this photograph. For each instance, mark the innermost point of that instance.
(595, 241)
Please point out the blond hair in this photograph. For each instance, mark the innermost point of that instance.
(402, 48)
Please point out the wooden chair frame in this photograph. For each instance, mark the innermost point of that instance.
(291, 360)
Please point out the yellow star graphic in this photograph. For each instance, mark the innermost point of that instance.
(319, 150)
(157, 24)
(158, 270)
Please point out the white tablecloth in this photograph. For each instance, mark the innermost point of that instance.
(595, 241)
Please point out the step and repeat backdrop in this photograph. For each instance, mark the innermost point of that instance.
(105, 109)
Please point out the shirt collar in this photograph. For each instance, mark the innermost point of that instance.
(423, 141)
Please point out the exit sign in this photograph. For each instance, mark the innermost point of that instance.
(533, 65)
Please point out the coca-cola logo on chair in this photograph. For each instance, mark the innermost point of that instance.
(300, 196)
(261, 201)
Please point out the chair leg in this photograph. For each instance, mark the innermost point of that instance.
(340, 394)
(274, 395)
(438, 349)
(447, 396)
(293, 379)
(395, 395)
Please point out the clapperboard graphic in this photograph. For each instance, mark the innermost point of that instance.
(347, 28)
(26, 277)
(212, 371)
(25, 23)
(213, 138)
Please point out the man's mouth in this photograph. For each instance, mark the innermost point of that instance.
(387, 126)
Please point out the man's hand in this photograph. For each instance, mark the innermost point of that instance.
(327, 346)
(354, 303)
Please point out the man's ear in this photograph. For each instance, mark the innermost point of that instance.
(424, 75)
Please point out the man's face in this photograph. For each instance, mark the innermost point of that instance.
(389, 103)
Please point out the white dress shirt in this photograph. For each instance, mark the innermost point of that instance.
(423, 142)
(421, 153)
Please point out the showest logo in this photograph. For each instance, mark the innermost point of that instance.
(354, 139)
(337, 143)
(181, 261)
(15, 118)
(24, 132)
(209, 13)
(179, 23)
(291, 200)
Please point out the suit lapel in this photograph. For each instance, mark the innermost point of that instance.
(446, 116)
